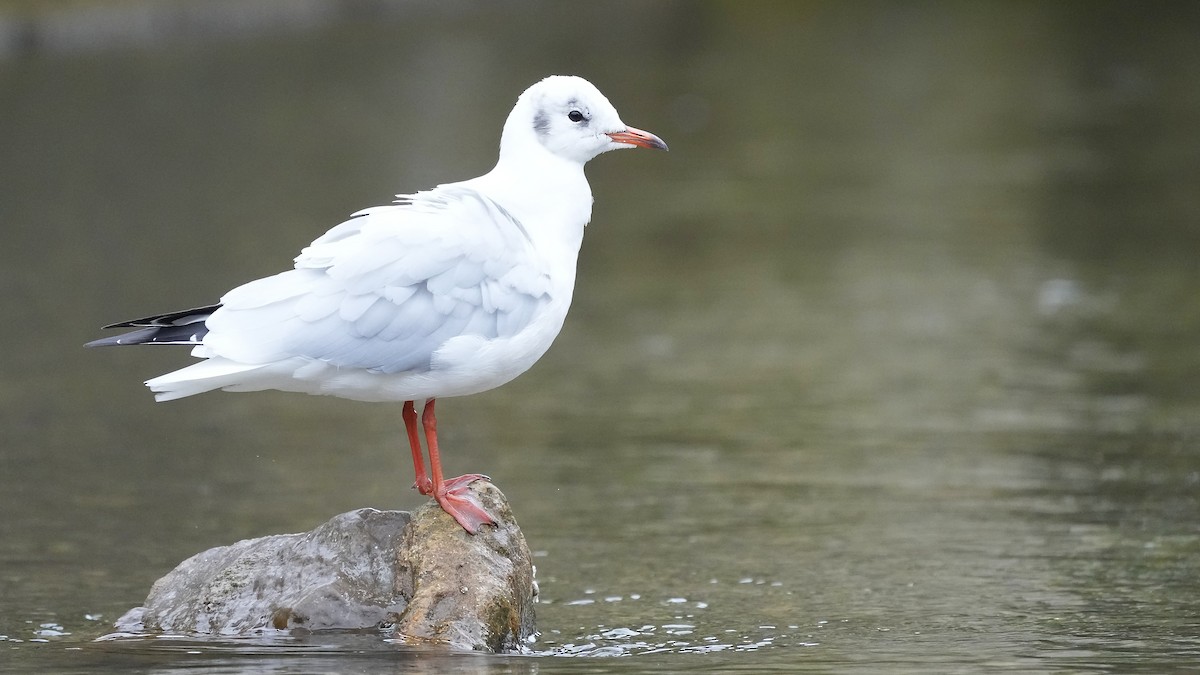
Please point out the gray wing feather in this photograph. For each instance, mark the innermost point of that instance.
(385, 289)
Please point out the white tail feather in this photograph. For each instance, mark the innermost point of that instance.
(214, 373)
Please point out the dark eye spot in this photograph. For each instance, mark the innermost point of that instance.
(575, 116)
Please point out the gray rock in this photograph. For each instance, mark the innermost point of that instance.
(418, 574)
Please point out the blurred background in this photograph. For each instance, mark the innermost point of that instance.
(891, 363)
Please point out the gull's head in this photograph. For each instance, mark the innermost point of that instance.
(571, 119)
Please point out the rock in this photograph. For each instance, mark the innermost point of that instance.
(419, 573)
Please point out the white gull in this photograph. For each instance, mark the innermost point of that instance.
(447, 292)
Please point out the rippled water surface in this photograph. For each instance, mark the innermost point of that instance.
(889, 365)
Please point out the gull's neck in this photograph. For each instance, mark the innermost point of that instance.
(549, 194)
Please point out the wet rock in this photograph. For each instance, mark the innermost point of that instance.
(418, 574)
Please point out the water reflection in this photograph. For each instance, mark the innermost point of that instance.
(892, 362)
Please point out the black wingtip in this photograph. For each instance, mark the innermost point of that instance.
(130, 338)
(174, 328)
(193, 315)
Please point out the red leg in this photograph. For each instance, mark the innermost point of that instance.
(423, 484)
(454, 494)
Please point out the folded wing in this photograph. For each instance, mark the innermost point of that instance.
(385, 289)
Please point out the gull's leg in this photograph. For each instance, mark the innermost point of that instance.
(454, 494)
(423, 484)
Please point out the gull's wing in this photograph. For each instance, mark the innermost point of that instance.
(385, 289)
(184, 327)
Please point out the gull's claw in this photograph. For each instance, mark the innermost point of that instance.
(455, 497)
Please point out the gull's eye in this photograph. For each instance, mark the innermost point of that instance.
(575, 116)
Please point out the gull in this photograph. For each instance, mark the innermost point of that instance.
(445, 292)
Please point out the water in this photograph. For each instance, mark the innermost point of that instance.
(889, 365)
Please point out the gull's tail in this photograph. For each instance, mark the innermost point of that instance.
(210, 374)
(180, 328)
(175, 328)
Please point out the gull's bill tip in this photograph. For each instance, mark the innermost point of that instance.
(639, 138)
